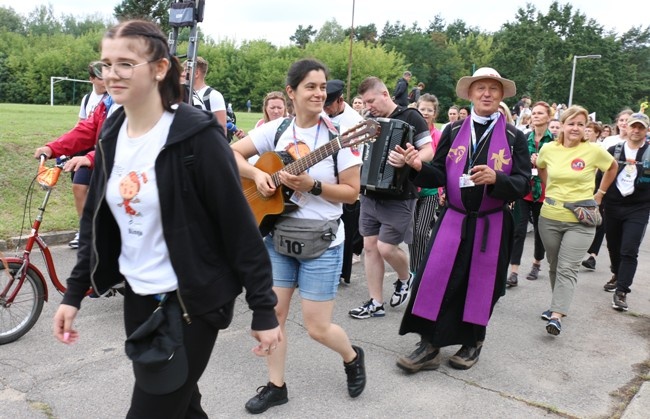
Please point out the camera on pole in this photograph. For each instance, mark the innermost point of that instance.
(186, 14)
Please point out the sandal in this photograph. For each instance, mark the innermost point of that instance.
(554, 327)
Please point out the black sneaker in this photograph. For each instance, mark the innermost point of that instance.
(424, 357)
(466, 357)
(512, 280)
(547, 315)
(267, 396)
(619, 301)
(356, 372)
(589, 263)
(610, 286)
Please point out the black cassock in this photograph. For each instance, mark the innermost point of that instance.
(449, 328)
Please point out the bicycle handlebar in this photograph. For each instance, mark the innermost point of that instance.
(48, 177)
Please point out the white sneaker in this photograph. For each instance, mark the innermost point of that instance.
(74, 243)
(402, 290)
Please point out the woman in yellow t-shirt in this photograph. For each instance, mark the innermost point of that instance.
(568, 168)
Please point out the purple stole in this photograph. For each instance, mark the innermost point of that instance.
(487, 237)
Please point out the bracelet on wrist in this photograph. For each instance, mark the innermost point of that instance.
(601, 191)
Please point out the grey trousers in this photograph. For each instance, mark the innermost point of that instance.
(565, 244)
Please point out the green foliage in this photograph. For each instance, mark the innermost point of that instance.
(10, 20)
(535, 49)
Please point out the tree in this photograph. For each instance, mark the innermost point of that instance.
(156, 10)
(41, 21)
(10, 20)
(366, 34)
(331, 31)
(302, 36)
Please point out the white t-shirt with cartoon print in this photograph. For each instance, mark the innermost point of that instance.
(310, 206)
(132, 196)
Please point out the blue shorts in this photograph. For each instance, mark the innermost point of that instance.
(317, 279)
(82, 176)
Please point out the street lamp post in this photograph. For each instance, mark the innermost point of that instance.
(573, 73)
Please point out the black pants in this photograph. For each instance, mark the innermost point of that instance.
(199, 338)
(625, 231)
(353, 243)
(526, 208)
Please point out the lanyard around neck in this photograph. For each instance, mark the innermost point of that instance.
(295, 138)
(481, 141)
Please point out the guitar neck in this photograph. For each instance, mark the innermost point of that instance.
(311, 159)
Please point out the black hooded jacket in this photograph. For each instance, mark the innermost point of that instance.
(214, 243)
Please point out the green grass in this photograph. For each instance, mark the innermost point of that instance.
(23, 128)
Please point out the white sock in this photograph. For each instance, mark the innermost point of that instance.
(376, 303)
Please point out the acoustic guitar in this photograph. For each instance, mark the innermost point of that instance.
(266, 208)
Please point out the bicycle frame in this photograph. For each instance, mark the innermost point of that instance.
(34, 238)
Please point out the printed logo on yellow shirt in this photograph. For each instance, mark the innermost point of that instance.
(578, 164)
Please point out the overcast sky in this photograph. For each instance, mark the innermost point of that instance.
(277, 20)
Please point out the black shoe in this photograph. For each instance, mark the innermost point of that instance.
(267, 396)
(356, 372)
(424, 357)
(466, 357)
(589, 263)
(610, 286)
(619, 301)
(512, 280)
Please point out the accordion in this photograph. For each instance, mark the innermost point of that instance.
(377, 175)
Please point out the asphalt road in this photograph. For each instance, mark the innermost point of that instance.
(592, 370)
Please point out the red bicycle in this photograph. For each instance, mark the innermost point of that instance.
(23, 287)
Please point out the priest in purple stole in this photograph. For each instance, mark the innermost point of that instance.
(484, 164)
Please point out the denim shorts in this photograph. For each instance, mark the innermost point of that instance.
(317, 279)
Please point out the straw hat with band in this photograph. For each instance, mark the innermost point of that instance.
(462, 88)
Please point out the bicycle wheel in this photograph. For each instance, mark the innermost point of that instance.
(19, 317)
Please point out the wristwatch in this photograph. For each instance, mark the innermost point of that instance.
(317, 189)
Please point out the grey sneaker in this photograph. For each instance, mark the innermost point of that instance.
(534, 272)
(610, 286)
(367, 310)
(424, 357)
(512, 280)
(619, 301)
(466, 356)
(402, 290)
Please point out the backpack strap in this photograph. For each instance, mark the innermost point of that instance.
(206, 98)
(618, 149)
(282, 128)
(85, 102)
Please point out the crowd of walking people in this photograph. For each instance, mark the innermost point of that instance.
(166, 185)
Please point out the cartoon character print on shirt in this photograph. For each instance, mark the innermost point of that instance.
(129, 189)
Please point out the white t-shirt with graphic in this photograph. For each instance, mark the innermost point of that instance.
(627, 176)
(132, 196)
(310, 206)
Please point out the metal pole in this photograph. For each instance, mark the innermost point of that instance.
(51, 91)
(573, 76)
(350, 54)
(573, 72)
